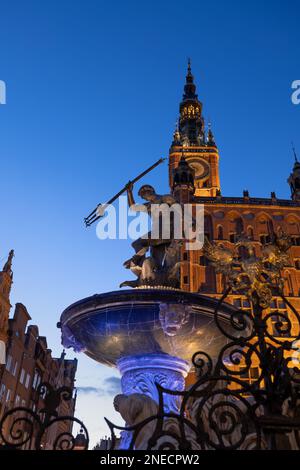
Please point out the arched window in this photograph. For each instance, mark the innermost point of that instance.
(293, 225)
(220, 232)
(266, 229)
(2, 352)
(243, 252)
(250, 233)
(183, 177)
(208, 227)
(235, 226)
(264, 239)
(270, 227)
(239, 225)
(203, 261)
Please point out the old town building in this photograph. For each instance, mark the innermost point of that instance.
(6, 279)
(227, 217)
(29, 363)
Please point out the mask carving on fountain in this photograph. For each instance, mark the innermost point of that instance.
(69, 340)
(172, 317)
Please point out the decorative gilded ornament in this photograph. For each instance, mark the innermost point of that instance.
(245, 272)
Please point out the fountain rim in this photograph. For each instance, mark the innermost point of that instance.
(144, 297)
(159, 361)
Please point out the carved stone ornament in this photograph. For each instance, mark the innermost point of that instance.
(140, 374)
(172, 317)
(68, 340)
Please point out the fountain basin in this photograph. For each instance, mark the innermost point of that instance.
(140, 322)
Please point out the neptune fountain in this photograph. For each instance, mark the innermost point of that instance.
(150, 332)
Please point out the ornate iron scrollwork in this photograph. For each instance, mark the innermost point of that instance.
(24, 428)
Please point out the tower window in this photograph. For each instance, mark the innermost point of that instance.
(203, 261)
(208, 227)
(185, 279)
(296, 241)
(220, 233)
(237, 303)
(246, 304)
(239, 225)
(232, 237)
(249, 375)
(250, 233)
(264, 239)
(243, 252)
(297, 264)
(185, 256)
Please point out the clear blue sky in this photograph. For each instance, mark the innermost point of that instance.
(93, 89)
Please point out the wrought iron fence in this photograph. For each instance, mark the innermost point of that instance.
(24, 428)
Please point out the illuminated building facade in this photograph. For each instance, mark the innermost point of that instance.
(228, 217)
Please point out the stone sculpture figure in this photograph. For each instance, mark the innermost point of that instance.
(134, 409)
(161, 267)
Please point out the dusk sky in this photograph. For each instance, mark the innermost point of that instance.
(93, 90)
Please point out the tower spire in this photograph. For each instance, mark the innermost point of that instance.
(189, 87)
(199, 147)
(294, 152)
(210, 137)
(191, 123)
(189, 67)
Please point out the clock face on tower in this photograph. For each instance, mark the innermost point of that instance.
(200, 166)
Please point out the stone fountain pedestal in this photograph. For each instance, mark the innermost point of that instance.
(140, 374)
